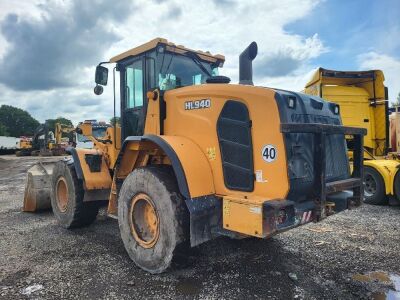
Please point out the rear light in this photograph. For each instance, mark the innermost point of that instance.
(336, 111)
(281, 217)
(291, 102)
(334, 108)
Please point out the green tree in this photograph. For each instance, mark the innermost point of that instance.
(114, 120)
(52, 122)
(3, 130)
(17, 122)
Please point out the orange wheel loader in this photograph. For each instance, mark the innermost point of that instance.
(196, 157)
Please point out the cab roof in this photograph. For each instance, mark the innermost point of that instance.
(207, 56)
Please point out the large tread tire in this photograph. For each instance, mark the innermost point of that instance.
(396, 199)
(159, 183)
(77, 213)
(378, 197)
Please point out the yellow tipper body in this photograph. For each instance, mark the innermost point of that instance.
(362, 99)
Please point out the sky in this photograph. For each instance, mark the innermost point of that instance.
(49, 48)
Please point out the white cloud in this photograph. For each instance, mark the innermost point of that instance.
(224, 27)
(390, 67)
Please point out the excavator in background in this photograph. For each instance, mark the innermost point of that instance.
(196, 157)
(39, 144)
(363, 100)
(46, 143)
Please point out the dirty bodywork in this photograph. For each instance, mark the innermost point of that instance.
(224, 159)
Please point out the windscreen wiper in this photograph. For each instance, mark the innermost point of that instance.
(195, 58)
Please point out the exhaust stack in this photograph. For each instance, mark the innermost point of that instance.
(246, 65)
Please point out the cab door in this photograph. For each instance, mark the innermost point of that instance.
(133, 87)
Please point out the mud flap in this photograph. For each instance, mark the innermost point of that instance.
(38, 187)
(205, 218)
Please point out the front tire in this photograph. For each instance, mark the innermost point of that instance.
(67, 198)
(374, 187)
(152, 217)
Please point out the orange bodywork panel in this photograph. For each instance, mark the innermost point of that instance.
(195, 165)
(152, 124)
(199, 126)
(243, 215)
(94, 180)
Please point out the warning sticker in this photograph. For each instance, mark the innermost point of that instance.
(255, 210)
(259, 176)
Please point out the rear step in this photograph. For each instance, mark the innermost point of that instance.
(340, 185)
(264, 219)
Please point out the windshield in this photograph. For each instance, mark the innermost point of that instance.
(81, 138)
(98, 133)
(175, 70)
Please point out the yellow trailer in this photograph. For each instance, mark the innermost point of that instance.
(363, 100)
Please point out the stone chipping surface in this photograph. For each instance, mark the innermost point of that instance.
(40, 260)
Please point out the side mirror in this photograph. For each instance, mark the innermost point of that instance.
(101, 75)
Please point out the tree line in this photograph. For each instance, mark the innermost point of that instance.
(17, 122)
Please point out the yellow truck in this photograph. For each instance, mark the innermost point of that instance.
(363, 102)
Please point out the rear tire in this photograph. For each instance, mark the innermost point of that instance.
(156, 188)
(374, 187)
(396, 184)
(67, 198)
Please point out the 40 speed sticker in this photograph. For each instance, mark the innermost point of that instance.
(269, 153)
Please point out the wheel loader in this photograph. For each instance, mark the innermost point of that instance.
(196, 157)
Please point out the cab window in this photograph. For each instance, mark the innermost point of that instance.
(134, 84)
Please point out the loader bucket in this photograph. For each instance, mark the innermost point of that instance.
(38, 187)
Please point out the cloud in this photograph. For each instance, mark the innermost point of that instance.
(77, 105)
(224, 3)
(50, 56)
(48, 53)
(390, 67)
(279, 64)
(287, 60)
(174, 12)
(86, 102)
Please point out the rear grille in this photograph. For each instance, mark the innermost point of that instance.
(234, 136)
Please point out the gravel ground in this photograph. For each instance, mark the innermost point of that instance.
(352, 255)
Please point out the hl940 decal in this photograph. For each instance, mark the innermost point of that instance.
(198, 104)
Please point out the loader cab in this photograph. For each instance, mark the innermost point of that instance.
(156, 65)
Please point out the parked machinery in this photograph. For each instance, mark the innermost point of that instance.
(196, 157)
(363, 101)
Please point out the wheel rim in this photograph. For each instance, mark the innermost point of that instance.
(369, 185)
(144, 221)
(62, 194)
